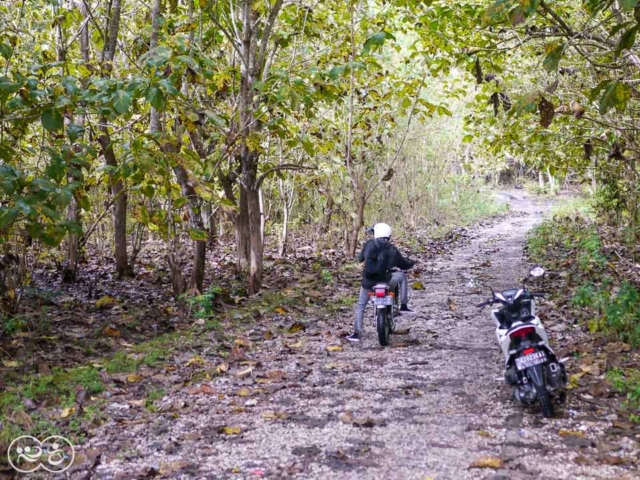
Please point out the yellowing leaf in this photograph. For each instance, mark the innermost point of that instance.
(280, 310)
(67, 411)
(105, 301)
(417, 286)
(295, 345)
(222, 368)
(111, 332)
(230, 430)
(334, 348)
(484, 433)
(297, 327)
(244, 373)
(570, 433)
(244, 392)
(197, 360)
(274, 415)
(134, 378)
(487, 462)
(10, 363)
(242, 342)
(268, 335)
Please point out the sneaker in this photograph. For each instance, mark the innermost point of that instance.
(405, 310)
(354, 337)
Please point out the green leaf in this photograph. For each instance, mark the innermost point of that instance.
(615, 96)
(6, 152)
(74, 132)
(593, 6)
(7, 216)
(52, 120)
(627, 40)
(375, 41)
(554, 52)
(198, 235)
(156, 98)
(7, 87)
(628, 4)
(121, 101)
(529, 6)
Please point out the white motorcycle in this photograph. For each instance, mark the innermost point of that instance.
(531, 366)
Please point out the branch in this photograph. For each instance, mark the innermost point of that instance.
(273, 16)
(284, 166)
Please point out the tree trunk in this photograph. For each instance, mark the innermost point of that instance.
(116, 184)
(242, 235)
(325, 223)
(358, 223)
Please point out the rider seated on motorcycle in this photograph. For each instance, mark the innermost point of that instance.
(380, 244)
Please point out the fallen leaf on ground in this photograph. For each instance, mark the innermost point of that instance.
(297, 327)
(229, 430)
(346, 417)
(295, 345)
(111, 332)
(67, 411)
(134, 378)
(222, 368)
(613, 460)
(617, 347)
(242, 342)
(244, 373)
(10, 363)
(573, 433)
(417, 286)
(452, 304)
(274, 415)
(487, 462)
(280, 310)
(243, 392)
(205, 388)
(105, 301)
(334, 348)
(137, 403)
(403, 331)
(484, 433)
(268, 335)
(197, 360)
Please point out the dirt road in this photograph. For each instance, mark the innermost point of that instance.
(427, 408)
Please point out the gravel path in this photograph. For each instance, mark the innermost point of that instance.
(428, 407)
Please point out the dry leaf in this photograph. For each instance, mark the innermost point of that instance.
(452, 304)
(197, 360)
(484, 433)
(67, 411)
(134, 378)
(268, 335)
(280, 310)
(229, 430)
(243, 392)
(10, 363)
(417, 286)
(570, 433)
(105, 301)
(111, 332)
(346, 417)
(334, 348)
(222, 368)
(205, 388)
(295, 345)
(137, 403)
(487, 462)
(242, 342)
(297, 327)
(244, 373)
(274, 415)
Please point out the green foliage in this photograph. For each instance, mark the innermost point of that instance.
(204, 306)
(571, 244)
(627, 382)
(121, 362)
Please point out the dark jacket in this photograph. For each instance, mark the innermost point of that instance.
(395, 259)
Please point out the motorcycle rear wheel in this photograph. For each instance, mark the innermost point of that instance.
(546, 406)
(392, 319)
(382, 326)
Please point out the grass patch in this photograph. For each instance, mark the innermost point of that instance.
(627, 383)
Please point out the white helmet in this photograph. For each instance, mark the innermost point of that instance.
(381, 230)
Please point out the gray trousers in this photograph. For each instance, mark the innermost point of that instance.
(397, 278)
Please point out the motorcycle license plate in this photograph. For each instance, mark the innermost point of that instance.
(531, 360)
(382, 300)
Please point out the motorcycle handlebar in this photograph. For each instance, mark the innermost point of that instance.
(484, 304)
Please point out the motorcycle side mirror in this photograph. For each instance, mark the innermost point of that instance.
(537, 271)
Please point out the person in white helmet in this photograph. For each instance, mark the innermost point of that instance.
(379, 257)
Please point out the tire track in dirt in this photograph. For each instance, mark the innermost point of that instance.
(426, 410)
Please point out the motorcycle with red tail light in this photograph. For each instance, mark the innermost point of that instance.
(385, 309)
(532, 368)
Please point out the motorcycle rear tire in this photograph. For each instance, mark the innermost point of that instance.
(546, 406)
(383, 326)
(392, 319)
